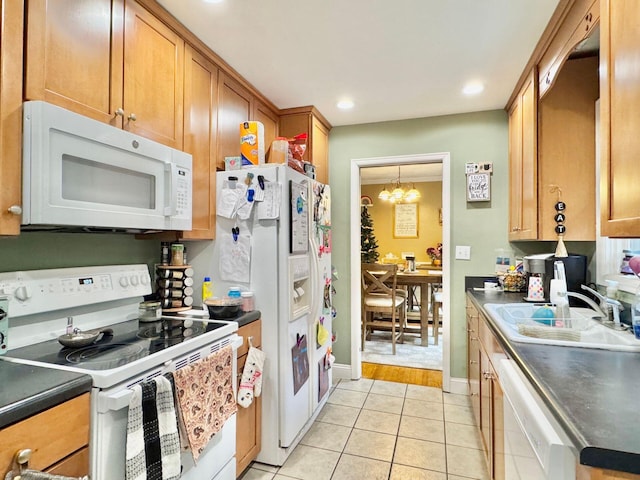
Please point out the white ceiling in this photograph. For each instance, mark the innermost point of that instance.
(396, 59)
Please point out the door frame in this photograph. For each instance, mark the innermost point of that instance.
(354, 244)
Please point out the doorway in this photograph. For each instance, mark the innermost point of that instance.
(355, 191)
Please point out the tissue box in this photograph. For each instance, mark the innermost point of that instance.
(252, 143)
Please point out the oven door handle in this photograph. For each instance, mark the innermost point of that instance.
(120, 399)
(115, 401)
(236, 342)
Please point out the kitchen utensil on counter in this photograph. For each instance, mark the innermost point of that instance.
(222, 308)
(79, 338)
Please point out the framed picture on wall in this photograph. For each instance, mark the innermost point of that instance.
(405, 220)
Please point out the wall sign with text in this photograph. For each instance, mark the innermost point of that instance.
(405, 220)
(478, 187)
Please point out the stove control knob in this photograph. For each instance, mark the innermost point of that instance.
(134, 280)
(124, 282)
(22, 293)
(3, 314)
(144, 279)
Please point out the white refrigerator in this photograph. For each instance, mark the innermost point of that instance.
(273, 238)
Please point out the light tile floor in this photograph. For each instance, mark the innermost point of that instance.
(374, 429)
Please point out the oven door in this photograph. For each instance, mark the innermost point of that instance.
(109, 412)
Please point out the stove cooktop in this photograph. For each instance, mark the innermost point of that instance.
(130, 341)
(133, 348)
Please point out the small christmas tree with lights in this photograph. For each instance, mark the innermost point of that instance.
(368, 243)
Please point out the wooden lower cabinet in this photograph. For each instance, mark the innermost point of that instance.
(485, 391)
(57, 437)
(248, 420)
(473, 361)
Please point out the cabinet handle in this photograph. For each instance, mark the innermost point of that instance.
(15, 210)
(487, 375)
(132, 117)
(473, 394)
(119, 112)
(470, 330)
(473, 362)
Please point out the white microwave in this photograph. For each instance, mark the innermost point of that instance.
(79, 173)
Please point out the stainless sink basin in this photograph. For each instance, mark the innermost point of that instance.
(517, 323)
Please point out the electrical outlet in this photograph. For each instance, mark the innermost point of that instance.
(463, 252)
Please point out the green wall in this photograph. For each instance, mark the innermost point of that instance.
(40, 250)
(472, 137)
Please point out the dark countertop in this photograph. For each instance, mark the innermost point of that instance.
(593, 394)
(27, 390)
(247, 318)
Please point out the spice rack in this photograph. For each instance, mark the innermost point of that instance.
(174, 287)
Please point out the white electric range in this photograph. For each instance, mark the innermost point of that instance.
(40, 304)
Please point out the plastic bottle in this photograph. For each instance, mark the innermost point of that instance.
(207, 289)
(612, 289)
(635, 314)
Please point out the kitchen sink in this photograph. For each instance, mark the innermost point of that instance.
(518, 322)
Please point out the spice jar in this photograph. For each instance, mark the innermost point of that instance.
(177, 254)
(248, 303)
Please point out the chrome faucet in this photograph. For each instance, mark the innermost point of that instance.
(594, 306)
(610, 306)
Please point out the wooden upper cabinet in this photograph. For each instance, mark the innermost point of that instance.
(310, 121)
(11, 57)
(566, 151)
(153, 77)
(200, 122)
(270, 119)
(619, 121)
(579, 23)
(109, 60)
(523, 158)
(73, 56)
(234, 107)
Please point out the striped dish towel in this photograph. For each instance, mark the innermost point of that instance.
(153, 446)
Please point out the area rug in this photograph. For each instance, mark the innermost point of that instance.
(408, 354)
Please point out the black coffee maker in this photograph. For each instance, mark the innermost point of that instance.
(575, 267)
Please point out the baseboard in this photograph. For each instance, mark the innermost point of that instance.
(342, 371)
(459, 386)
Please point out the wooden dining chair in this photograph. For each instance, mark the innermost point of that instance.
(435, 307)
(380, 295)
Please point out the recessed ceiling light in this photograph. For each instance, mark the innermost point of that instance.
(345, 104)
(213, 1)
(473, 88)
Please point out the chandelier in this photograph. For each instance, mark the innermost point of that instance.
(399, 194)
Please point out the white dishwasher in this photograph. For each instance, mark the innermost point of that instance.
(536, 448)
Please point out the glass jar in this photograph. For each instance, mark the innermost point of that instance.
(248, 303)
(513, 282)
(149, 311)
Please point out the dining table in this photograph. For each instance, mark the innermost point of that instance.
(423, 278)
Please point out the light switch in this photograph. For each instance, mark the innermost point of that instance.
(463, 252)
